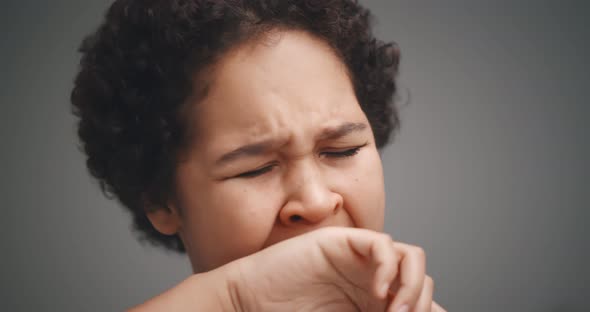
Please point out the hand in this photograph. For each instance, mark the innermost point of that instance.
(333, 269)
(424, 294)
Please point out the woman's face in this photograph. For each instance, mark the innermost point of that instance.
(282, 147)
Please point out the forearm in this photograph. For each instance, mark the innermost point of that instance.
(200, 292)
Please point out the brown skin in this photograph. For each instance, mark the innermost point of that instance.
(318, 167)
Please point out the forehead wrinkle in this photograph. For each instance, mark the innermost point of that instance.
(278, 103)
(257, 140)
(253, 149)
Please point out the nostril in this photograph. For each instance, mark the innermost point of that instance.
(295, 218)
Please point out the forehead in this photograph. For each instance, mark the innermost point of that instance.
(294, 85)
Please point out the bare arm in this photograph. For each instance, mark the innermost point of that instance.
(323, 269)
(201, 292)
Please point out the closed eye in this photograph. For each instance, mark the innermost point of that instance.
(255, 173)
(331, 154)
(344, 153)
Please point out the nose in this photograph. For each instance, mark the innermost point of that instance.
(309, 198)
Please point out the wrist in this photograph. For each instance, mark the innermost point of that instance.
(234, 295)
(220, 287)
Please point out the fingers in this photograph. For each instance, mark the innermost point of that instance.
(412, 270)
(387, 267)
(382, 255)
(425, 302)
(400, 271)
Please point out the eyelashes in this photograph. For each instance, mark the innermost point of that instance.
(341, 154)
(330, 154)
(257, 172)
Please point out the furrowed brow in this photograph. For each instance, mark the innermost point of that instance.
(259, 148)
(249, 150)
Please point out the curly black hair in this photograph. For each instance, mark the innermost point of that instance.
(138, 68)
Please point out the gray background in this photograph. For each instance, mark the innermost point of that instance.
(489, 173)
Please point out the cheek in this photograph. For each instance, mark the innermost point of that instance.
(228, 222)
(363, 192)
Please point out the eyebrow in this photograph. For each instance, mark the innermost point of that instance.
(253, 149)
(341, 131)
(259, 148)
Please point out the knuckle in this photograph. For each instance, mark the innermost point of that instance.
(429, 281)
(420, 252)
(386, 238)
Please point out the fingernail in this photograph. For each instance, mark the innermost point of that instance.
(404, 308)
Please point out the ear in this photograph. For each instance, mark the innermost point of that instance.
(165, 219)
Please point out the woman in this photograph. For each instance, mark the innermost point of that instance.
(246, 134)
